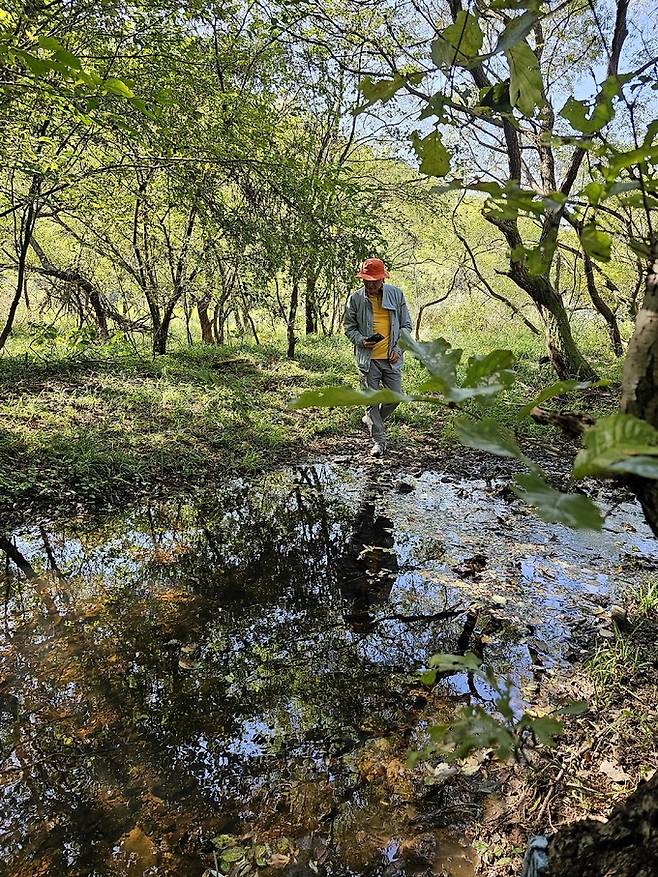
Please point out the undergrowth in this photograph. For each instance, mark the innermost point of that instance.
(82, 424)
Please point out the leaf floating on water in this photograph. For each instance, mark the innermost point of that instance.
(186, 664)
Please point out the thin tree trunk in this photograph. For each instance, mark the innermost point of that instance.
(602, 307)
(423, 308)
(311, 305)
(27, 229)
(292, 315)
(205, 323)
(187, 310)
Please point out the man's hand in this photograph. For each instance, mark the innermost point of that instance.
(395, 356)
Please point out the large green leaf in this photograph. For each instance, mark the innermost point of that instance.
(118, 87)
(526, 88)
(644, 153)
(575, 111)
(545, 728)
(488, 435)
(459, 43)
(642, 466)
(596, 242)
(516, 29)
(444, 662)
(439, 358)
(433, 156)
(493, 367)
(610, 444)
(380, 89)
(572, 509)
(344, 397)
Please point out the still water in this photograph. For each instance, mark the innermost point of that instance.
(233, 674)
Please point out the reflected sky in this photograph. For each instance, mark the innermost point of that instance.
(224, 663)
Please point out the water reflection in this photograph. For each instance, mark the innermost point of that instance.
(239, 664)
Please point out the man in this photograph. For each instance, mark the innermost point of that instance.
(377, 308)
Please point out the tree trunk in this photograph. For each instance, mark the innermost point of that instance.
(624, 846)
(423, 308)
(99, 312)
(602, 307)
(187, 310)
(27, 229)
(640, 384)
(310, 305)
(292, 314)
(563, 352)
(202, 305)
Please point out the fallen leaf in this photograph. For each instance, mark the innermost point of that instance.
(614, 772)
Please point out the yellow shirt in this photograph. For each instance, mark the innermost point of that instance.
(381, 322)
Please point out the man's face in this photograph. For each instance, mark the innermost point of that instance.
(373, 287)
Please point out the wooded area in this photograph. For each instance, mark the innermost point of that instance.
(187, 191)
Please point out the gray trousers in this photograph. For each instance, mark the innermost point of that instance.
(380, 374)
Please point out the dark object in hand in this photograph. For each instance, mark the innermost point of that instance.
(374, 338)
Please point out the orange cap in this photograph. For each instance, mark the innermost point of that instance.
(373, 269)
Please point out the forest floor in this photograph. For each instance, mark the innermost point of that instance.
(85, 429)
(567, 621)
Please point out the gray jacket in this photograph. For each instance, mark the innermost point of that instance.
(358, 322)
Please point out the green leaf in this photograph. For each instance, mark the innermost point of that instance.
(434, 108)
(38, 66)
(595, 242)
(573, 708)
(488, 435)
(496, 97)
(458, 44)
(117, 86)
(516, 4)
(575, 111)
(344, 397)
(439, 358)
(428, 677)
(516, 29)
(645, 153)
(559, 388)
(644, 467)
(234, 854)
(380, 90)
(50, 44)
(545, 728)
(433, 156)
(594, 192)
(494, 366)
(526, 88)
(555, 507)
(443, 663)
(611, 441)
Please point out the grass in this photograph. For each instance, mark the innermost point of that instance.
(97, 424)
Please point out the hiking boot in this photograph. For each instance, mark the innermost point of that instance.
(377, 450)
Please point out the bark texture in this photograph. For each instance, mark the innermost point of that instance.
(640, 386)
(625, 846)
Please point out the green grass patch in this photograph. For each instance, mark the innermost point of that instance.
(97, 424)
